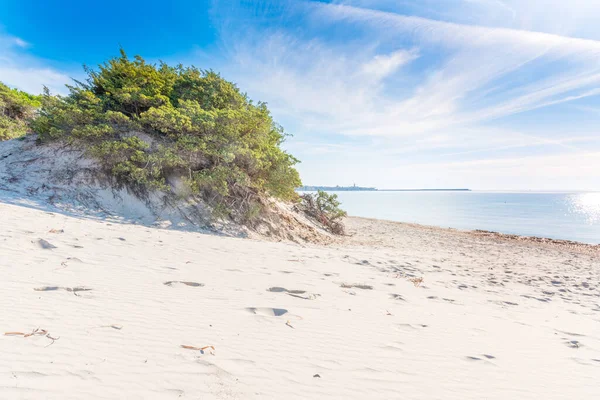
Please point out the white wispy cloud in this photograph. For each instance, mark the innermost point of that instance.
(417, 85)
(342, 87)
(312, 79)
(18, 68)
(21, 43)
(383, 65)
(481, 55)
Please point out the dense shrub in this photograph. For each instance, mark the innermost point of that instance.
(16, 110)
(149, 124)
(325, 209)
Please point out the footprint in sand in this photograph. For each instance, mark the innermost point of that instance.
(543, 300)
(73, 290)
(357, 286)
(44, 244)
(571, 333)
(193, 284)
(175, 392)
(277, 289)
(410, 327)
(266, 311)
(448, 300)
(301, 294)
(488, 356)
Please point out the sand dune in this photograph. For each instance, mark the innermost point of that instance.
(100, 310)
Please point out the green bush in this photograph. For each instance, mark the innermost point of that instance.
(325, 209)
(149, 123)
(17, 108)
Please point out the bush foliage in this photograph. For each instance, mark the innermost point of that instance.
(151, 125)
(16, 110)
(325, 209)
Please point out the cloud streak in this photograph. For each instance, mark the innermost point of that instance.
(345, 85)
(18, 68)
(383, 83)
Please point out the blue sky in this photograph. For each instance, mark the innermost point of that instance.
(486, 94)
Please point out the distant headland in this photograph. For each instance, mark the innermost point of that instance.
(355, 188)
(336, 188)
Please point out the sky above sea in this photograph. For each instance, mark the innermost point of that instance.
(482, 94)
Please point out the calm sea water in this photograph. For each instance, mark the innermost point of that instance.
(571, 216)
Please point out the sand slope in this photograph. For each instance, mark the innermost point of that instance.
(491, 320)
(61, 178)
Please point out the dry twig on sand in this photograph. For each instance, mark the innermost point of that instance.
(416, 281)
(35, 332)
(52, 338)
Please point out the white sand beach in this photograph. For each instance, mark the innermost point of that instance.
(110, 306)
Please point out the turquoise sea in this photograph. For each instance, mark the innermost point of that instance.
(570, 216)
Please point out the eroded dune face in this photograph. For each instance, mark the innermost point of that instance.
(57, 177)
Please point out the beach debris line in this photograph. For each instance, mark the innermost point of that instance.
(35, 332)
(211, 349)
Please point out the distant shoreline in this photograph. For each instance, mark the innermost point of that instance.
(370, 189)
(424, 190)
